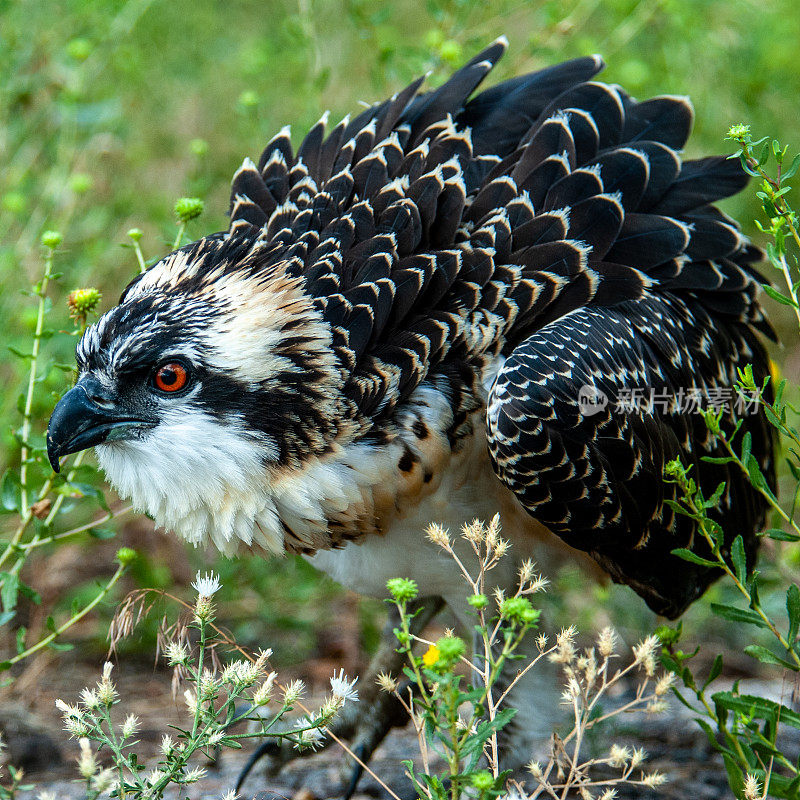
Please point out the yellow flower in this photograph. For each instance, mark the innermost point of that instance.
(431, 656)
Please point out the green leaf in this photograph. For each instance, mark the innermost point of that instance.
(713, 501)
(20, 354)
(790, 173)
(741, 615)
(61, 647)
(87, 490)
(757, 707)
(793, 611)
(747, 443)
(781, 536)
(754, 471)
(717, 459)
(778, 297)
(739, 558)
(102, 533)
(688, 555)
(714, 672)
(768, 657)
(21, 633)
(10, 496)
(735, 776)
(9, 590)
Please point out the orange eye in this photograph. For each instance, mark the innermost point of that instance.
(171, 377)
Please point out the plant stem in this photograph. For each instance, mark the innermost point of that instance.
(26, 416)
(72, 620)
(178, 237)
(139, 257)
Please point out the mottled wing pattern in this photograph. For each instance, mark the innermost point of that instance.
(595, 476)
(548, 219)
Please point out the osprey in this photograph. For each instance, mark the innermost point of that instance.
(402, 325)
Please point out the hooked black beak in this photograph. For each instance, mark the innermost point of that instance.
(85, 416)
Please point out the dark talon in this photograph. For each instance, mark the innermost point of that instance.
(267, 748)
(358, 770)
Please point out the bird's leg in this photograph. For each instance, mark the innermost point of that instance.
(367, 722)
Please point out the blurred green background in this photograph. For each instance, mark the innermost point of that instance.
(111, 110)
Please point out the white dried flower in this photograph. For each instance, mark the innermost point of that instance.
(207, 585)
(493, 532)
(46, 795)
(619, 756)
(90, 699)
(191, 701)
(500, 548)
(657, 707)
(473, 531)
(154, 776)
(499, 596)
(664, 683)
(752, 787)
(130, 726)
(87, 764)
(293, 692)
(526, 572)
(195, 774)
(644, 654)
(654, 779)
(535, 769)
(311, 737)
(638, 757)
(538, 584)
(106, 691)
(343, 688)
(565, 646)
(231, 795)
(438, 535)
(572, 691)
(607, 642)
(240, 673)
(176, 653)
(167, 744)
(541, 642)
(105, 780)
(608, 794)
(262, 656)
(75, 722)
(263, 693)
(386, 682)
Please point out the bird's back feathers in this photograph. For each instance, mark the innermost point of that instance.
(439, 232)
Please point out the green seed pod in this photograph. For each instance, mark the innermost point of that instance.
(52, 239)
(188, 208)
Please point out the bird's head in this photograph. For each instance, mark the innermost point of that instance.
(211, 379)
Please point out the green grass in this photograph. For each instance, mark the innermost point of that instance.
(110, 110)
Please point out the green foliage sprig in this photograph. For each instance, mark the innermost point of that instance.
(745, 728)
(227, 705)
(460, 706)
